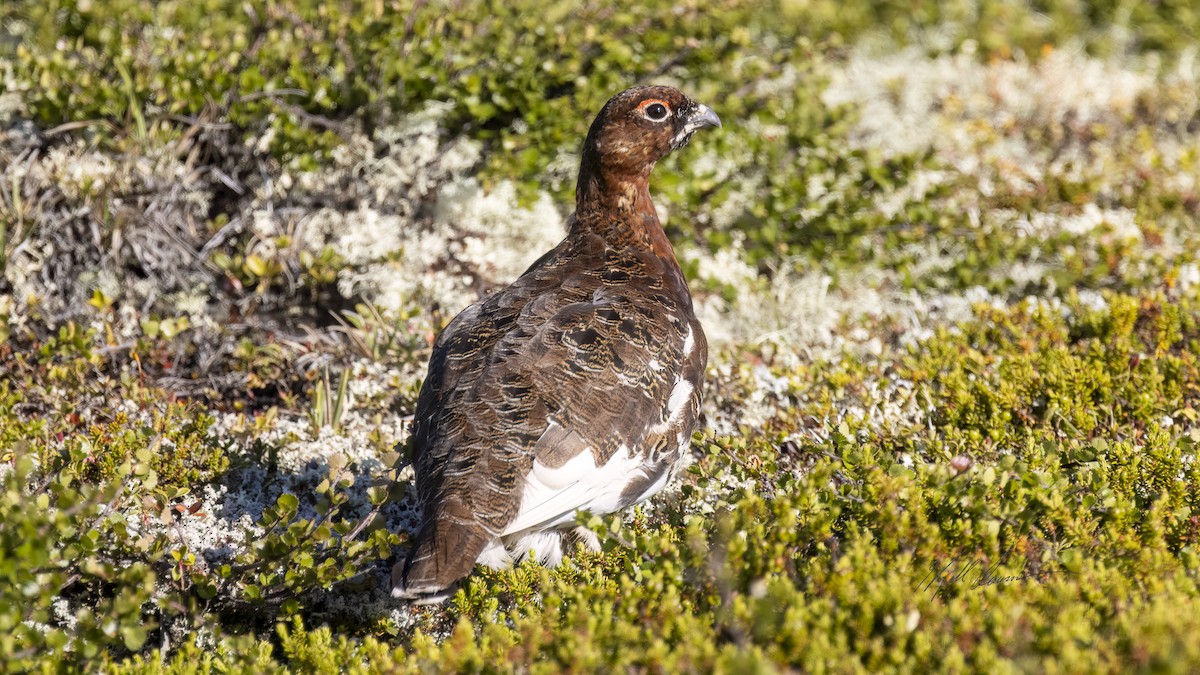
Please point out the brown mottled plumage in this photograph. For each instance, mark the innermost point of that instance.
(575, 388)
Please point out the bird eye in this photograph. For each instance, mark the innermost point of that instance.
(656, 111)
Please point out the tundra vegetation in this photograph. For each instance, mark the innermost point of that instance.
(946, 254)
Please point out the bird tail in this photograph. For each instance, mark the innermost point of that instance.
(440, 558)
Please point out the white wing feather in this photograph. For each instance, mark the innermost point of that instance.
(553, 495)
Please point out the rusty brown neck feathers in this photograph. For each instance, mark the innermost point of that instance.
(614, 202)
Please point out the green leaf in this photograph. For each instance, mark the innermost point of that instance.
(134, 636)
(287, 502)
(255, 265)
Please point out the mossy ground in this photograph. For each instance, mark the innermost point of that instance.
(946, 254)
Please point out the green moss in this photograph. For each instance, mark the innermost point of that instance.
(1017, 373)
(849, 566)
(177, 444)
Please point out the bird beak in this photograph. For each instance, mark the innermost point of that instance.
(701, 117)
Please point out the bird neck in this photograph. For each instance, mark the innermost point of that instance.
(618, 207)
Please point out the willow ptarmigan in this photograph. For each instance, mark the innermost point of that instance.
(577, 387)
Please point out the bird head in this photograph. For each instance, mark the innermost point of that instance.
(640, 126)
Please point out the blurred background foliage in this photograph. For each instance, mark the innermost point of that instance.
(522, 76)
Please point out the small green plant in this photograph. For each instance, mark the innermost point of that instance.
(252, 271)
(79, 580)
(292, 555)
(327, 404)
(376, 338)
(321, 268)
